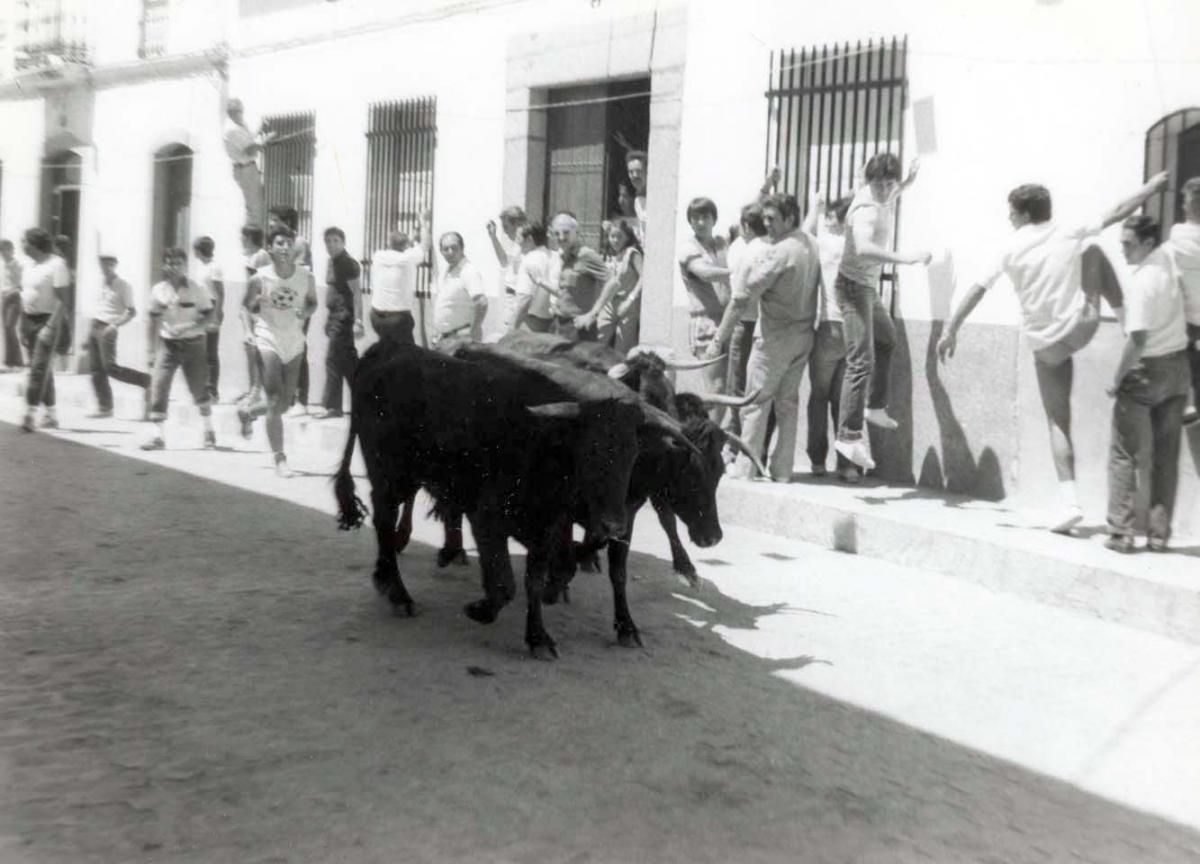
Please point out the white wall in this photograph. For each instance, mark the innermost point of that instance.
(21, 157)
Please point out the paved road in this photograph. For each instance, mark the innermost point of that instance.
(195, 672)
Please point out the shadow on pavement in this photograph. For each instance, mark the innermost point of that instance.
(206, 674)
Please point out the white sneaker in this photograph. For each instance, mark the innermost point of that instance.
(1070, 516)
(297, 410)
(879, 417)
(281, 466)
(858, 452)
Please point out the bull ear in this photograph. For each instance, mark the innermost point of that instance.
(564, 410)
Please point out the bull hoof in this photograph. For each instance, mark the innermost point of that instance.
(408, 608)
(689, 575)
(446, 557)
(384, 581)
(482, 611)
(544, 649)
(628, 636)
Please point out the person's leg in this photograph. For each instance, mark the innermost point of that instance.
(39, 389)
(335, 351)
(1054, 387)
(166, 362)
(1166, 429)
(98, 366)
(762, 376)
(278, 398)
(212, 353)
(194, 360)
(628, 328)
(1193, 357)
(1129, 418)
(854, 301)
(301, 392)
(824, 360)
(116, 371)
(12, 339)
(846, 469)
(881, 375)
(798, 345)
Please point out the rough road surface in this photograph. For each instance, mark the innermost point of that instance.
(195, 673)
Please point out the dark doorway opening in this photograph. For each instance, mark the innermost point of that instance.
(170, 222)
(589, 129)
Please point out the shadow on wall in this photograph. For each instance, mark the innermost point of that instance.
(952, 466)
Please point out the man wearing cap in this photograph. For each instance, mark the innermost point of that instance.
(114, 309)
(243, 148)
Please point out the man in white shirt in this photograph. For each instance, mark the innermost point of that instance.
(743, 253)
(1150, 386)
(114, 309)
(635, 167)
(507, 247)
(1044, 263)
(460, 302)
(394, 283)
(1185, 248)
(45, 293)
(10, 297)
(208, 273)
(537, 273)
(243, 148)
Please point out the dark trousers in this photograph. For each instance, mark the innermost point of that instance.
(11, 312)
(395, 326)
(1149, 405)
(870, 340)
(212, 344)
(340, 359)
(740, 344)
(40, 389)
(174, 354)
(826, 368)
(102, 360)
(302, 382)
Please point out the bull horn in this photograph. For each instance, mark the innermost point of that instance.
(660, 419)
(730, 401)
(619, 371)
(741, 445)
(562, 410)
(680, 366)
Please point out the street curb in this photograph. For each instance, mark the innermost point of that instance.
(1160, 594)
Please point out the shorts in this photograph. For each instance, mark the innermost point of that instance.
(702, 330)
(1083, 327)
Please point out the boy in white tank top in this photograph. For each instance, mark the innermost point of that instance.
(281, 297)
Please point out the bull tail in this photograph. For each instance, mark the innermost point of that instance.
(351, 510)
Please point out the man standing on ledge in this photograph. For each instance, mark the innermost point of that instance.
(243, 148)
(1044, 262)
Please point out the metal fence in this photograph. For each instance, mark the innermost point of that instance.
(1172, 144)
(401, 137)
(156, 16)
(288, 165)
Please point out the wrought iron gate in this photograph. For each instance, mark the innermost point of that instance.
(401, 137)
(288, 165)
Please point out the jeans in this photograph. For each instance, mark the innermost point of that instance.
(249, 180)
(825, 372)
(340, 359)
(870, 340)
(776, 370)
(740, 345)
(302, 384)
(1150, 400)
(11, 319)
(394, 325)
(172, 354)
(40, 389)
(102, 359)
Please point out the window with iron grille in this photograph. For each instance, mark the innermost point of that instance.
(829, 110)
(50, 31)
(1173, 145)
(288, 165)
(155, 18)
(401, 137)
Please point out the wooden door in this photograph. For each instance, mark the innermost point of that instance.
(1187, 164)
(575, 137)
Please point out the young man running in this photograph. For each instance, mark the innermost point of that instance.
(45, 294)
(281, 297)
(208, 273)
(114, 309)
(1044, 262)
(181, 310)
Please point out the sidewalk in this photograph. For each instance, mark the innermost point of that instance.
(990, 544)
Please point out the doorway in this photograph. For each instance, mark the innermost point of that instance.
(172, 203)
(589, 129)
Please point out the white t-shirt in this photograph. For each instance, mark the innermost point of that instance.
(180, 310)
(739, 257)
(394, 278)
(238, 141)
(1154, 303)
(868, 215)
(1045, 265)
(113, 302)
(537, 266)
(278, 326)
(454, 305)
(1185, 248)
(38, 281)
(830, 247)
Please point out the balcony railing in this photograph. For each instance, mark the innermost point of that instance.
(51, 33)
(155, 26)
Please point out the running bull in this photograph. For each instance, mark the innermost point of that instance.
(519, 447)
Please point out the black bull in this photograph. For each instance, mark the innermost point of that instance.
(520, 447)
